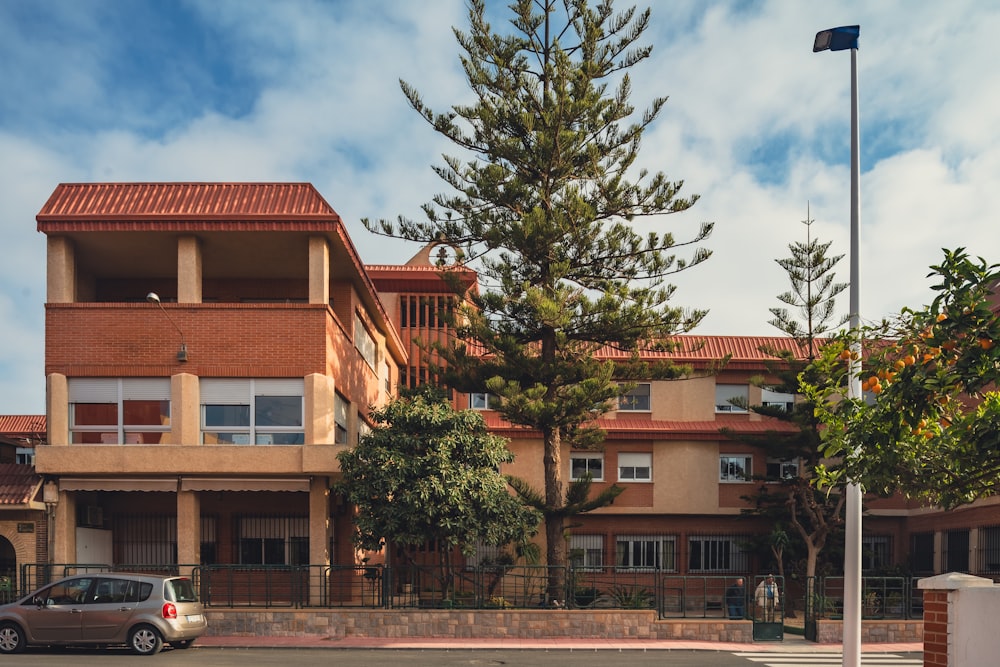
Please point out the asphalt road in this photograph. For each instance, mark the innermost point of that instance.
(243, 657)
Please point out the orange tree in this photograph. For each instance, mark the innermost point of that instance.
(929, 425)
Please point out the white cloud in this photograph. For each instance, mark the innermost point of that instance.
(308, 91)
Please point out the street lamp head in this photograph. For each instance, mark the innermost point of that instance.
(153, 297)
(837, 39)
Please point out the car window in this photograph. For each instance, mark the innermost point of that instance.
(111, 590)
(71, 591)
(138, 591)
(180, 590)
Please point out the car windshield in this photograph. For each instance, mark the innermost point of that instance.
(180, 590)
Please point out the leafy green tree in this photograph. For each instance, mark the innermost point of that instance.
(429, 473)
(930, 427)
(544, 211)
(814, 515)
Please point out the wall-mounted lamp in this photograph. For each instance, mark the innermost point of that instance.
(182, 354)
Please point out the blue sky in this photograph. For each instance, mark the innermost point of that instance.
(296, 90)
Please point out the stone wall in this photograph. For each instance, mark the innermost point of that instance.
(872, 632)
(521, 624)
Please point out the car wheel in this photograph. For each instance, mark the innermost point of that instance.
(184, 643)
(145, 640)
(12, 639)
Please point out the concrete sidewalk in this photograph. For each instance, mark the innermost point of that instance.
(792, 643)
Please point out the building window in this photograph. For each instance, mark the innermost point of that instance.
(119, 410)
(875, 552)
(731, 397)
(716, 554)
(989, 550)
(775, 399)
(779, 469)
(483, 401)
(25, 456)
(341, 407)
(956, 551)
(636, 400)
(646, 551)
(274, 541)
(363, 427)
(582, 464)
(735, 468)
(635, 467)
(144, 539)
(922, 553)
(252, 412)
(586, 551)
(365, 342)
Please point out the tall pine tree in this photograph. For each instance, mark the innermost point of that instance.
(793, 500)
(544, 211)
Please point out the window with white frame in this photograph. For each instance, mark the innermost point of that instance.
(341, 412)
(636, 467)
(586, 551)
(731, 397)
(483, 401)
(716, 554)
(582, 464)
(654, 552)
(776, 399)
(735, 467)
(363, 427)
(636, 400)
(240, 411)
(274, 540)
(119, 410)
(778, 469)
(365, 342)
(25, 456)
(875, 553)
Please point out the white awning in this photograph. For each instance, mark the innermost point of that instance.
(168, 484)
(244, 484)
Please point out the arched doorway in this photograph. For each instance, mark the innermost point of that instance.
(8, 569)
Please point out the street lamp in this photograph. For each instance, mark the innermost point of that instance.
(182, 354)
(841, 39)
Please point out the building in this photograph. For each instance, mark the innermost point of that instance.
(23, 518)
(210, 347)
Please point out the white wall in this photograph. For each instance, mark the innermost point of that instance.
(973, 640)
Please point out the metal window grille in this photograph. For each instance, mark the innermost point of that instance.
(717, 553)
(989, 550)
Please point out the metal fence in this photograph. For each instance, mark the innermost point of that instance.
(499, 587)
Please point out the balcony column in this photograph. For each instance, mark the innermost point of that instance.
(188, 270)
(64, 538)
(185, 417)
(57, 409)
(60, 270)
(319, 536)
(188, 531)
(319, 270)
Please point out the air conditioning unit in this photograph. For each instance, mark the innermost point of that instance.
(93, 516)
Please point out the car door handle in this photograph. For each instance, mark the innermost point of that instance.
(74, 610)
(124, 608)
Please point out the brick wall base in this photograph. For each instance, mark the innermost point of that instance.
(872, 632)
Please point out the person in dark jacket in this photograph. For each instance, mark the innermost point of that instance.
(736, 599)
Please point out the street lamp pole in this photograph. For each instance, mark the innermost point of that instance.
(840, 39)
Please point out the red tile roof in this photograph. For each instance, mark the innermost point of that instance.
(22, 426)
(18, 484)
(118, 206)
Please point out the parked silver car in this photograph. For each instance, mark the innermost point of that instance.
(140, 610)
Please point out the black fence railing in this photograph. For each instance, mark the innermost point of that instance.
(500, 587)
